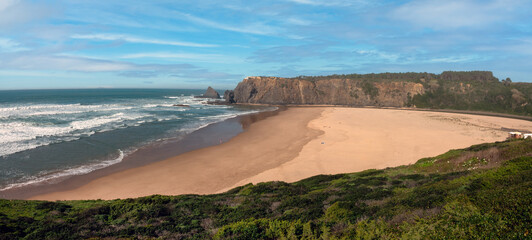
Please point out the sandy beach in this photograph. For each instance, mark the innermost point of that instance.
(301, 142)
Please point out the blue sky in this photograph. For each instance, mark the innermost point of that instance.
(192, 44)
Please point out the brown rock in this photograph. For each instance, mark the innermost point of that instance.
(211, 93)
(274, 90)
(180, 105)
(229, 96)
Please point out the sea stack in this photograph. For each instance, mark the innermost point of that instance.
(229, 96)
(211, 93)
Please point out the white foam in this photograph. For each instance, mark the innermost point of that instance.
(137, 119)
(189, 100)
(19, 136)
(50, 176)
(55, 109)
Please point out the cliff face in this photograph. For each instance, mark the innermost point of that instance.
(274, 90)
(473, 90)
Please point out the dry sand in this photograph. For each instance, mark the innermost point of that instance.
(302, 142)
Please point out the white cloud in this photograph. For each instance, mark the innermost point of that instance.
(63, 63)
(310, 2)
(4, 4)
(23, 64)
(212, 58)
(253, 28)
(378, 54)
(298, 21)
(169, 55)
(454, 13)
(457, 59)
(8, 45)
(14, 12)
(332, 2)
(132, 39)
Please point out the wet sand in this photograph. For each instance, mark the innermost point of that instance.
(264, 145)
(208, 136)
(298, 143)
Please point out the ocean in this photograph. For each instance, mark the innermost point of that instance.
(52, 134)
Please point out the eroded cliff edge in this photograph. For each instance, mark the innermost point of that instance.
(275, 90)
(475, 90)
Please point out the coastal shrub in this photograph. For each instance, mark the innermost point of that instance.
(318, 181)
(370, 89)
(246, 229)
(368, 173)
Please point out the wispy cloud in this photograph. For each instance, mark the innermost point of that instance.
(198, 57)
(33, 62)
(13, 12)
(4, 4)
(258, 28)
(457, 59)
(332, 2)
(8, 45)
(378, 55)
(320, 52)
(183, 71)
(133, 39)
(455, 13)
(298, 21)
(198, 40)
(65, 63)
(309, 2)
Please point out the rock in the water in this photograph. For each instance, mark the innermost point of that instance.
(180, 105)
(229, 96)
(211, 93)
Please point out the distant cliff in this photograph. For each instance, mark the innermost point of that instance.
(273, 90)
(476, 90)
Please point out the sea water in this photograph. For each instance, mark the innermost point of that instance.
(49, 134)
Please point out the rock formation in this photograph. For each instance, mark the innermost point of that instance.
(335, 91)
(229, 96)
(473, 91)
(180, 105)
(210, 93)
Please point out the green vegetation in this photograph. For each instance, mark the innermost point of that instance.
(471, 91)
(481, 192)
(489, 96)
(399, 77)
(370, 89)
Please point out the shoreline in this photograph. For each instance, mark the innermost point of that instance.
(328, 140)
(353, 145)
(470, 112)
(209, 169)
(209, 135)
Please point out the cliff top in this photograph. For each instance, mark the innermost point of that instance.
(465, 76)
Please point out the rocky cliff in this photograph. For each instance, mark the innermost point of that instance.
(336, 91)
(474, 90)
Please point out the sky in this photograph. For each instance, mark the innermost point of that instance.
(194, 44)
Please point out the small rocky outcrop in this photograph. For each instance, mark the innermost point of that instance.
(180, 105)
(210, 93)
(229, 96)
